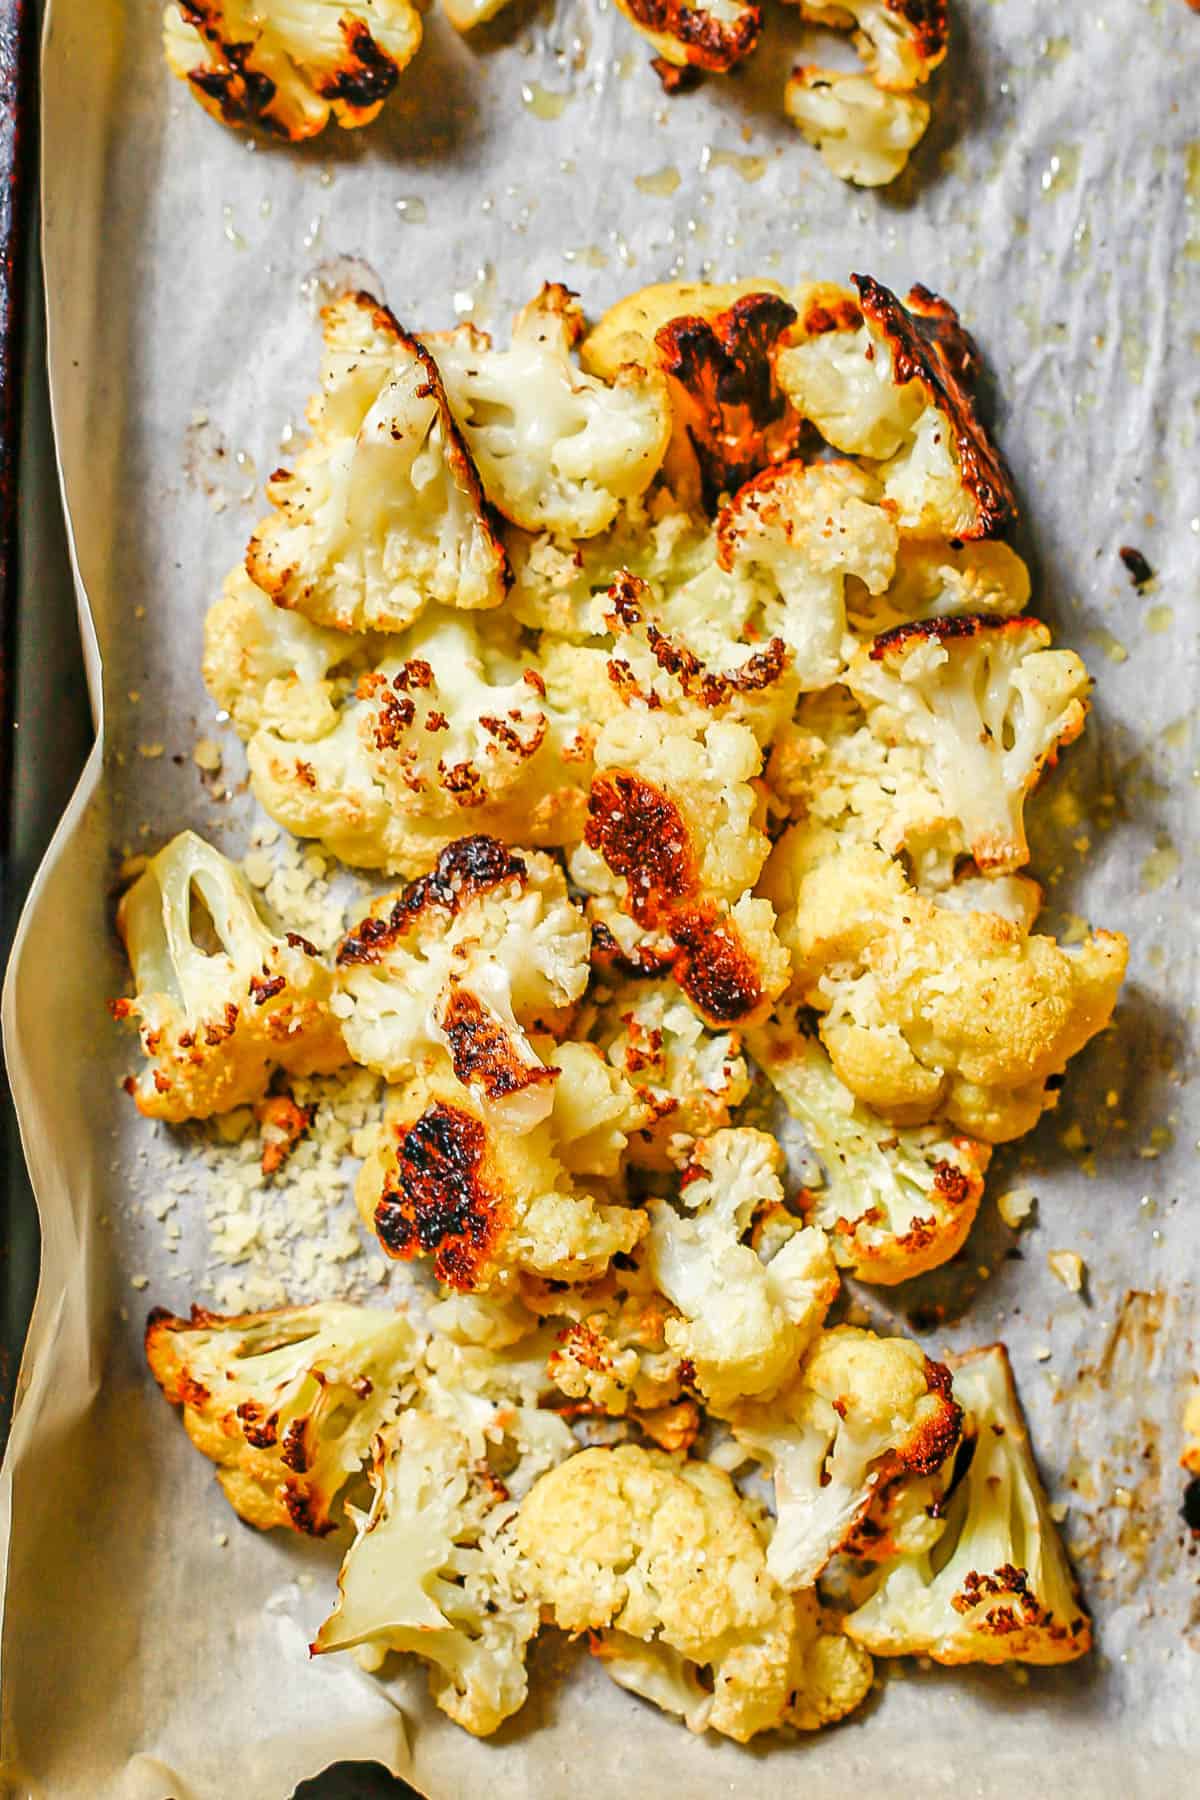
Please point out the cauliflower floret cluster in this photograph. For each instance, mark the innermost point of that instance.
(662, 1562)
(466, 961)
(697, 748)
(291, 65)
(926, 1010)
(865, 125)
(221, 1002)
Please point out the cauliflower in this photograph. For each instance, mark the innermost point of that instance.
(895, 1202)
(452, 728)
(860, 1411)
(989, 704)
(687, 34)
(746, 1317)
(467, 960)
(926, 1010)
(286, 1403)
(634, 321)
(901, 42)
(863, 132)
(935, 580)
(287, 65)
(483, 1201)
(801, 1673)
(688, 1078)
(803, 528)
(662, 1559)
(894, 383)
(558, 449)
(997, 1586)
(610, 1350)
(464, 15)
(672, 833)
(731, 417)
(435, 1569)
(273, 670)
(383, 511)
(221, 1002)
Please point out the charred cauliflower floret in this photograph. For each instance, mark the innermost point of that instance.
(672, 833)
(273, 670)
(894, 383)
(289, 65)
(661, 1559)
(286, 1403)
(901, 42)
(451, 730)
(435, 1569)
(746, 1314)
(468, 960)
(861, 1411)
(895, 1202)
(611, 1353)
(803, 529)
(487, 1204)
(687, 34)
(558, 449)
(926, 1010)
(383, 511)
(997, 1586)
(863, 132)
(988, 704)
(689, 1078)
(934, 580)
(220, 1001)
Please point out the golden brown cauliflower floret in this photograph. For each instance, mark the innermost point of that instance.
(861, 1411)
(901, 42)
(988, 704)
(926, 1010)
(484, 1202)
(286, 1403)
(689, 1078)
(894, 383)
(662, 1560)
(221, 1002)
(686, 34)
(936, 580)
(558, 449)
(383, 512)
(864, 133)
(610, 1352)
(749, 1300)
(895, 1202)
(467, 961)
(291, 65)
(996, 1586)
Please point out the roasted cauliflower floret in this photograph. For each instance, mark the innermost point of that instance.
(452, 729)
(286, 1403)
(558, 449)
(468, 960)
(485, 1203)
(690, 1079)
(672, 833)
(289, 65)
(864, 133)
(383, 511)
(895, 1202)
(860, 1411)
(894, 383)
(935, 580)
(804, 528)
(926, 1010)
(988, 704)
(687, 34)
(435, 1569)
(273, 670)
(610, 1351)
(745, 1317)
(662, 1559)
(997, 1586)
(901, 42)
(220, 1001)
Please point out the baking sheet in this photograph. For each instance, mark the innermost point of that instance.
(152, 1646)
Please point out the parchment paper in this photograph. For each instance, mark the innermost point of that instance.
(152, 1646)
